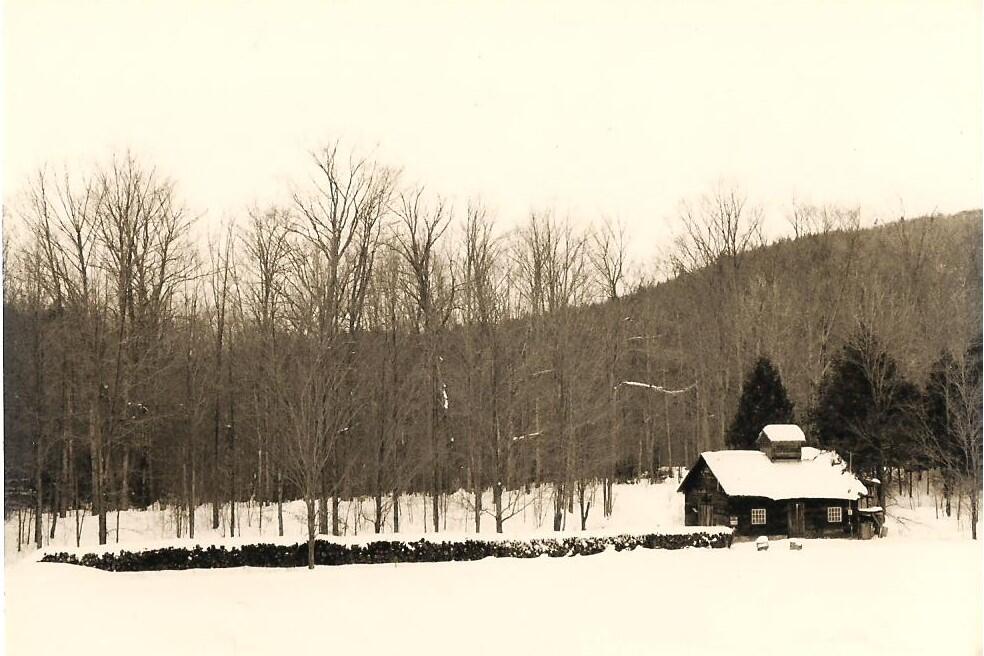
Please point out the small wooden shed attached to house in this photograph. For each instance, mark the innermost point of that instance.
(784, 488)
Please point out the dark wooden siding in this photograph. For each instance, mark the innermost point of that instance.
(779, 450)
(786, 450)
(817, 525)
(775, 516)
(703, 488)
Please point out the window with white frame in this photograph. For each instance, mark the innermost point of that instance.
(758, 516)
(834, 514)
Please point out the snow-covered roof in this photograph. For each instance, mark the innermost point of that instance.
(816, 475)
(784, 433)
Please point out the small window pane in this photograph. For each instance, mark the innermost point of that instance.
(758, 515)
(834, 514)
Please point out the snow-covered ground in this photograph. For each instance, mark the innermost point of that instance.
(918, 517)
(641, 507)
(916, 592)
(833, 597)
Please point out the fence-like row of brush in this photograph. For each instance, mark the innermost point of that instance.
(381, 551)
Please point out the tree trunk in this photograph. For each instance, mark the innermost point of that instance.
(380, 462)
(96, 457)
(103, 523)
(61, 492)
(309, 503)
(497, 500)
(558, 514)
(184, 491)
(261, 490)
(584, 507)
(124, 496)
(396, 511)
(26, 528)
(436, 503)
(973, 511)
(478, 509)
(335, 525)
(215, 469)
(323, 509)
(882, 472)
(79, 522)
(377, 523)
(192, 505)
(322, 513)
(280, 504)
(38, 493)
(233, 492)
(54, 522)
(73, 483)
(666, 421)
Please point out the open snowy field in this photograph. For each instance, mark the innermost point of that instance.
(916, 592)
(834, 597)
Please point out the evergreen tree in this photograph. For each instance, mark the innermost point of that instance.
(763, 401)
(865, 407)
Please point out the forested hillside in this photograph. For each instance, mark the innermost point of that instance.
(369, 340)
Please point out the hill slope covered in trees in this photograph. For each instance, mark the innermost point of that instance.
(352, 345)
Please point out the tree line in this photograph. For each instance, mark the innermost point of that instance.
(884, 425)
(369, 339)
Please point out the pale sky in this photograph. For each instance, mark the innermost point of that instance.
(616, 109)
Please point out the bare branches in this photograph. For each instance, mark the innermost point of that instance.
(341, 217)
(552, 260)
(483, 286)
(720, 227)
(821, 220)
(607, 256)
(267, 247)
(422, 226)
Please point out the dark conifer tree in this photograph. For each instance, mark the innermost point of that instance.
(763, 401)
(865, 408)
